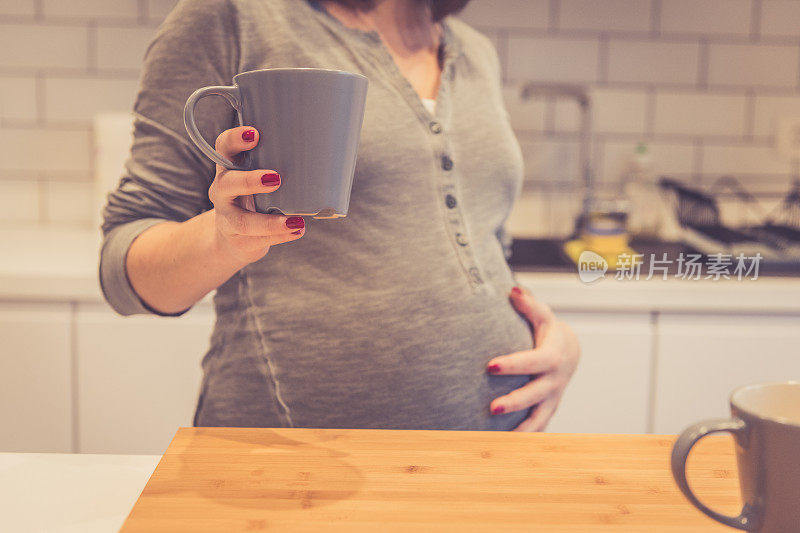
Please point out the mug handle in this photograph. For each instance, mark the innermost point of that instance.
(746, 520)
(232, 95)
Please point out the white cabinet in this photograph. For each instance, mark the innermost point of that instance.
(609, 391)
(138, 377)
(78, 377)
(35, 378)
(702, 358)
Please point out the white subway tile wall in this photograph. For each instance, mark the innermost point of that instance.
(703, 83)
(616, 15)
(65, 202)
(18, 8)
(743, 160)
(613, 159)
(40, 150)
(19, 201)
(770, 110)
(653, 62)
(552, 59)
(158, 9)
(18, 98)
(780, 18)
(752, 65)
(706, 17)
(505, 14)
(681, 113)
(122, 47)
(618, 111)
(77, 100)
(92, 9)
(30, 47)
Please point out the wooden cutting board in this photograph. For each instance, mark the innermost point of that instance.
(289, 480)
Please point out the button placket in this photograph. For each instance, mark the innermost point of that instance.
(447, 175)
(459, 235)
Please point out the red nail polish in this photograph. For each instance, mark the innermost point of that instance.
(271, 179)
(494, 368)
(298, 232)
(295, 223)
(516, 291)
(499, 410)
(249, 136)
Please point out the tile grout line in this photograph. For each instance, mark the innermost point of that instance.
(41, 100)
(798, 68)
(702, 64)
(38, 10)
(733, 141)
(554, 12)
(650, 113)
(655, 18)
(603, 60)
(91, 47)
(755, 20)
(639, 36)
(750, 115)
(143, 11)
(75, 22)
(598, 159)
(550, 116)
(697, 163)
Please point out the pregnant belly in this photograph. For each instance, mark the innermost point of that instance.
(397, 370)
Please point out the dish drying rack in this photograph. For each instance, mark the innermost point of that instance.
(776, 237)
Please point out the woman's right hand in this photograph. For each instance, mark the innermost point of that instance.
(240, 231)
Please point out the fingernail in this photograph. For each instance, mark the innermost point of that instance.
(516, 291)
(499, 410)
(493, 368)
(271, 179)
(295, 223)
(249, 136)
(298, 232)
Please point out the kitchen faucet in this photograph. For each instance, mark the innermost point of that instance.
(580, 94)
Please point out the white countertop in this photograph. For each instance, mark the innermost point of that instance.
(70, 493)
(61, 265)
(54, 265)
(762, 295)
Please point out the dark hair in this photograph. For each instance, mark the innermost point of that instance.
(439, 8)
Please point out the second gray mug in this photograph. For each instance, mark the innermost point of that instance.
(765, 423)
(309, 122)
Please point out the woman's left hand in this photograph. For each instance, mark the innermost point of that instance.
(552, 361)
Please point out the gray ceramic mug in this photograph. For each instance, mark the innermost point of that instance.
(309, 121)
(765, 423)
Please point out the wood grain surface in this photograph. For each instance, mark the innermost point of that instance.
(290, 480)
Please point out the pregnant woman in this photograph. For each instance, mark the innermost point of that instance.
(404, 314)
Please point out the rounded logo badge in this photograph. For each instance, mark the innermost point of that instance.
(591, 266)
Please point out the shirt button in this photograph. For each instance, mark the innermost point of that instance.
(450, 201)
(447, 163)
(475, 275)
(436, 128)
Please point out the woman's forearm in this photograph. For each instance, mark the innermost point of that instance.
(172, 265)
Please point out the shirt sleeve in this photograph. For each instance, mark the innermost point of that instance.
(166, 178)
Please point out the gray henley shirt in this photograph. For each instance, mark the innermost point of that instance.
(385, 318)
